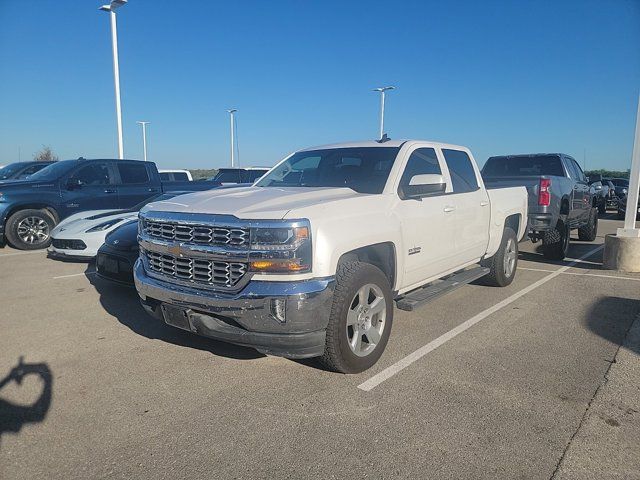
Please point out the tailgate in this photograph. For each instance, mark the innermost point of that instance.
(532, 184)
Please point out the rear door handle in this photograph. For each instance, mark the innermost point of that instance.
(449, 208)
(152, 190)
(109, 191)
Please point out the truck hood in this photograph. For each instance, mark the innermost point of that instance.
(252, 202)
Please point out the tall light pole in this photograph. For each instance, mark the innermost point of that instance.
(111, 8)
(144, 138)
(233, 135)
(382, 90)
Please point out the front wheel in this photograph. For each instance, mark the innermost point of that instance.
(360, 320)
(30, 229)
(504, 263)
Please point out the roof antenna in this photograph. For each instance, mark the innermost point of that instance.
(383, 139)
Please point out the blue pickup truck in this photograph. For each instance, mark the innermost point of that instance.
(30, 209)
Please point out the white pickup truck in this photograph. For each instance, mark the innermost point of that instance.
(309, 260)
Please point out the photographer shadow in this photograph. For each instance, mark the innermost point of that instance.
(14, 416)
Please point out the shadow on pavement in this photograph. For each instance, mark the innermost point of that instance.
(13, 416)
(611, 318)
(122, 302)
(576, 250)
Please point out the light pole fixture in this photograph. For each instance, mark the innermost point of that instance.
(233, 135)
(382, 90)
(144, 138)
(111, 8)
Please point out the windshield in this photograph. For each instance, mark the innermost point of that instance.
(362, 169)
(54, 171)
(10, 170)
(533, 165)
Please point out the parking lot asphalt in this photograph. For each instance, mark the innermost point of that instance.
(482, 383)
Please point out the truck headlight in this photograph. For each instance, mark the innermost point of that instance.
(278, 238)
(281, 249)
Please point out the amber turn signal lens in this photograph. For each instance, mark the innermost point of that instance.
(281, 266)
(301, 233)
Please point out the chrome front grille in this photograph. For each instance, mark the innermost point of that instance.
(199, 234)
(196, 270)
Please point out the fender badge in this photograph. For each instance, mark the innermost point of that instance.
(414, 250)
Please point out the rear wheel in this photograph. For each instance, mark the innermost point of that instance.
(30, 229)
(504, 263)
(589, 232)
(555, 243)
(360, 320)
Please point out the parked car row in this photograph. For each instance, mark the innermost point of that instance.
(310, 258)
(30, 209)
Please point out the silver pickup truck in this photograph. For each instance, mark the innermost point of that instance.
(560, 199)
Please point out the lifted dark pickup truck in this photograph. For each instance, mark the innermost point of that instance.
(560, 199)
(30, 209)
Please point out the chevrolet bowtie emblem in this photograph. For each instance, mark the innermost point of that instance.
(175, 250)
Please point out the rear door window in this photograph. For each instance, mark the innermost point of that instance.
(133, 173)
(463, 175)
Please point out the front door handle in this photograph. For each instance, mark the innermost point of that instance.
(484, 204)
(152, 190)
(109, 191)
(449, 208)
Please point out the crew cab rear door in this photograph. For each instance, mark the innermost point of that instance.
(471, 203)
(428, 226)
(135, 183)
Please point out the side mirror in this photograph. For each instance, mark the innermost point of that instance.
(422, 186)
(74, 184)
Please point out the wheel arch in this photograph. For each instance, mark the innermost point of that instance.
(33, 206)
(381, 255)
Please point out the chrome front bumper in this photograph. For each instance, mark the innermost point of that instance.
(251, 317)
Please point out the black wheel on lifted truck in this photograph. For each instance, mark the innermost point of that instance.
(589, 232)
(555, 243)
(504, 263)
(360, 320)
(30, 229)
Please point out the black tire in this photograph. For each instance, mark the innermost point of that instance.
(500, 275)
(338, 355)
(620, 215)
(20, 220)
(602, 207)
(589, 232)
(555, 243)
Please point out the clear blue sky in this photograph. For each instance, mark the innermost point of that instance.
(497, 76)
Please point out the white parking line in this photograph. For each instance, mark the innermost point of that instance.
(73, 275)
(400, 365)
(618, 277)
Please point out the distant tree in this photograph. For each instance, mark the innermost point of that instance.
(608, 173)
(45, 155)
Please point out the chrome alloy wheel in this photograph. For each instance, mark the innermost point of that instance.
(33, 230)
(510, 257)
(366, 319)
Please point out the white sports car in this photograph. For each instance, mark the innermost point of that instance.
(82, 234)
